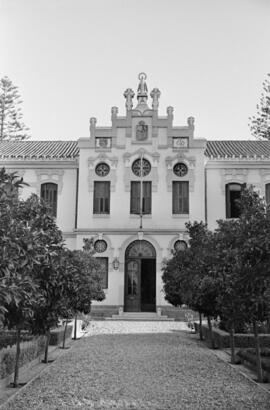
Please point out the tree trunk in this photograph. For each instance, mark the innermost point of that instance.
(232, 343)
(64, 336)
(75, 327)
(18, 351)
(258, 352)
(201, 331)
(48, 334)
(211, 332)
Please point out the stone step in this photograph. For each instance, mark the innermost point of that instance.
(140, 317)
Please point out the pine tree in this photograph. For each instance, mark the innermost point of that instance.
(260, 123)
(11, 124)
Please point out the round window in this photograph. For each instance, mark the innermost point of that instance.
(141, 167)
(102, 169)
(180, 246)
(180, 169)
(100, 246)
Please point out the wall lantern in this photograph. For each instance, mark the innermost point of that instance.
(115, 263)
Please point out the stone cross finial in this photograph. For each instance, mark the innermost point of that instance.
(155, 94)
(129, 94)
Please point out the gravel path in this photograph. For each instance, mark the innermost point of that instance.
(156, 369)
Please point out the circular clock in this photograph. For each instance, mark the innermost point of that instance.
(180, 246)
(180, 169)
(100, 246)
(141, 167)
(102, 169)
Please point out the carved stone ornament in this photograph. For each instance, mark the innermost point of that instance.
(232, 175)
(155, 94)
(183, 160)
(93, 163)
(141, 131)
(49, 175)
(153, 159)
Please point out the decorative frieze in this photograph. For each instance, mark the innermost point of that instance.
(111, 176)
(190, 163)
(231, 175)
(44, 176)
(129, 176)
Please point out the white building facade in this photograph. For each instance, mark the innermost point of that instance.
(132, 187)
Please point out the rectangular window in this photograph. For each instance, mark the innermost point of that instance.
(49, 195)
(103, 271)
(135, 197)
(267, 194)
(180, 197)
(101, 197)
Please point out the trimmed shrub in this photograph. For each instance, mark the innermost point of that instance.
(248, 356)
(29, 351)
(8, 337)
(222, 338)
(58, 334)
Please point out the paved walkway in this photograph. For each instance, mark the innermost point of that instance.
(159, 366)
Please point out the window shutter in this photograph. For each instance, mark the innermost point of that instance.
(180, 197)
(135, 197)
(147, 197)
(101, 197)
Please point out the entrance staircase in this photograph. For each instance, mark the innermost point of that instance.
(141, 317)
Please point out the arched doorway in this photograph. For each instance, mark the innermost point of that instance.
(140, 277)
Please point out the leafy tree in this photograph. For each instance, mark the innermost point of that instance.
(84, 281)
(18, 252)
(260, 123)
(11, 124)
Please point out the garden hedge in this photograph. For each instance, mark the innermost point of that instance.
(222, 338)
(248, 357)
(8, 337)
(58, 334)
(29, 351)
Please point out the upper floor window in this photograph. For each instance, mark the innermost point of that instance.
(49, 195)
(180, 203)
(267, 193)
(135, 197)
(101, 197)
(233, 196)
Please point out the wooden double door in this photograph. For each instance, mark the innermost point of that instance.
(140, 285)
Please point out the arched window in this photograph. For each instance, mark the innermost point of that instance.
(233, 196)
(49, 195)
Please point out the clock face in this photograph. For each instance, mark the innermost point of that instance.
(100, 246)
(102, 169)
(180, 169)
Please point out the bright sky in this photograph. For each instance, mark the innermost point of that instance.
(73, 59)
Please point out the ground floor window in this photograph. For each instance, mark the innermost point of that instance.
(233, 196)
(267, 193)
(49, 195)
(103, 271)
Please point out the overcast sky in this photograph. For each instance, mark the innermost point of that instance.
(73, 59)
